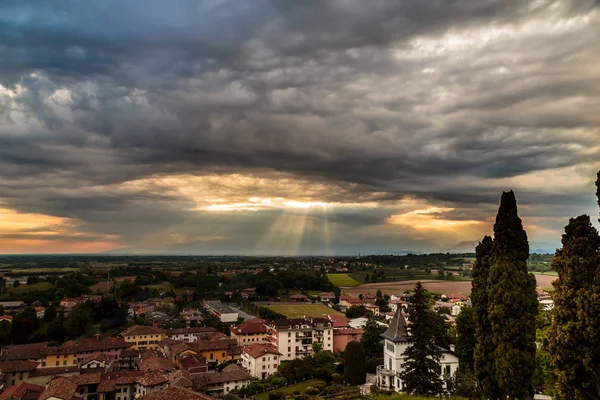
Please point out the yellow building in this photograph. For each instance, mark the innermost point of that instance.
(251, 332)
(143, 337)
(59, 356)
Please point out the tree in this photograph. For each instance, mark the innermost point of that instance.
(465, 337)
(355, 369)
(483, 353)
(367, 278)
(16, 284)
(5, 333)
(356, 311)
(49, 314)
(513, 304)
(379, 294)
(371, 342)
(574, 339)
(421, 374)
(79, 321)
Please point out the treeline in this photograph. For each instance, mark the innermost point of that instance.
(417, 260)
(105, 317)
(261, 311)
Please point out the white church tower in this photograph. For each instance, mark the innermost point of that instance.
(395, 344)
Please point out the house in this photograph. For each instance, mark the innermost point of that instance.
(15, 372)
(143, 337)
(60, 389)
(327, 297)
(369, 298)
(68, 303)
(248, 293)
(223, 312)
(22, 391)
(401, 296)
(453, 297)
(8, 318)
(153, 361)
(372, 308)
(347, 302)
(299, 297)
(137, 309)
(343, 336)
(220, 383)
(452, 307)
(40, 311)
(252, 331)
(395, 344)
(12, 305)
(260, 360)
(176, 350)
(193, 364)
(394, 304)
(97, 362)
(542, 294)
(75, 351)
(294, 338)
(187, 334)
(219, 349)
(119, 385)
(191, 315)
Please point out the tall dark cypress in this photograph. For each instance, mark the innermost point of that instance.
(574, 337)
(421, 374)
(512, 303)
(483, 355)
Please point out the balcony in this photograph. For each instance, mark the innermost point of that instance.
(381, 370)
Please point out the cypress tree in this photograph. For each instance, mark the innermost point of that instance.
(355, 366)
(574, 338)
(483, 354)
(421, 374)
(512, 303)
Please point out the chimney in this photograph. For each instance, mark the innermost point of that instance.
(452, 348)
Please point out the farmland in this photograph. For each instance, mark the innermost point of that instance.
(435, 286)
(343, 280)
(299, 310)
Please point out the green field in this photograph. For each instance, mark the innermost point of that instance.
(300, 387)
(299, 310)
(41, 286)
(342, 280)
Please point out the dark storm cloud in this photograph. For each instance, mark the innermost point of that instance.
(379, 100)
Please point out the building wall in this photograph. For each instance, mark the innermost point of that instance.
(144, 341)
(14, 378)
(261, 367)
(59, 360)
(340, 341)
(249, 338)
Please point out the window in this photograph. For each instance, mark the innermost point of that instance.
(57, 363)
(65, 362)
(13, 382)
(264, 367)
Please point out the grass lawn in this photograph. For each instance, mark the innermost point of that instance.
(299, 310)
(342, 280)
(29, 288)
(293, 388)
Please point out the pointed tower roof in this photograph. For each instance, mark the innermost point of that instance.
(398, 330)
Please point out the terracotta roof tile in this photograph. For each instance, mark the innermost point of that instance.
(30, 351)
(142, 330)
(19, 390)
(18, 366)
(61, 388)
(152, 379)
(256, 350)
(176, 393)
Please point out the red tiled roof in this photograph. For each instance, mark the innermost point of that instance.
(54, 371)
(30, 351)
(176, 393)
(348, 331)
(183, 331)
(152, 378)
(101, 357)
(108, 382)
(339, 321)
(256, 350)
(19, 390)
(192, 361)
(18, 366)
(86, 379)
(249, 327)
(155, 364)
(61, 388)
(142, 330)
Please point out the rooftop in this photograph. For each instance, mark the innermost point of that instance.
(141, 330)
(61, 388)
(17, 391)
(18, 366)
(220, 307)
(256, 350)
(398, 329)
(176, 393)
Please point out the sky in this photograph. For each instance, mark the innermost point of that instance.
(281, 127)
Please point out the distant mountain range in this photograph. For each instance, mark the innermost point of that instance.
(534, 247)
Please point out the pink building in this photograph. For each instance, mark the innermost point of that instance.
(342, 336)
